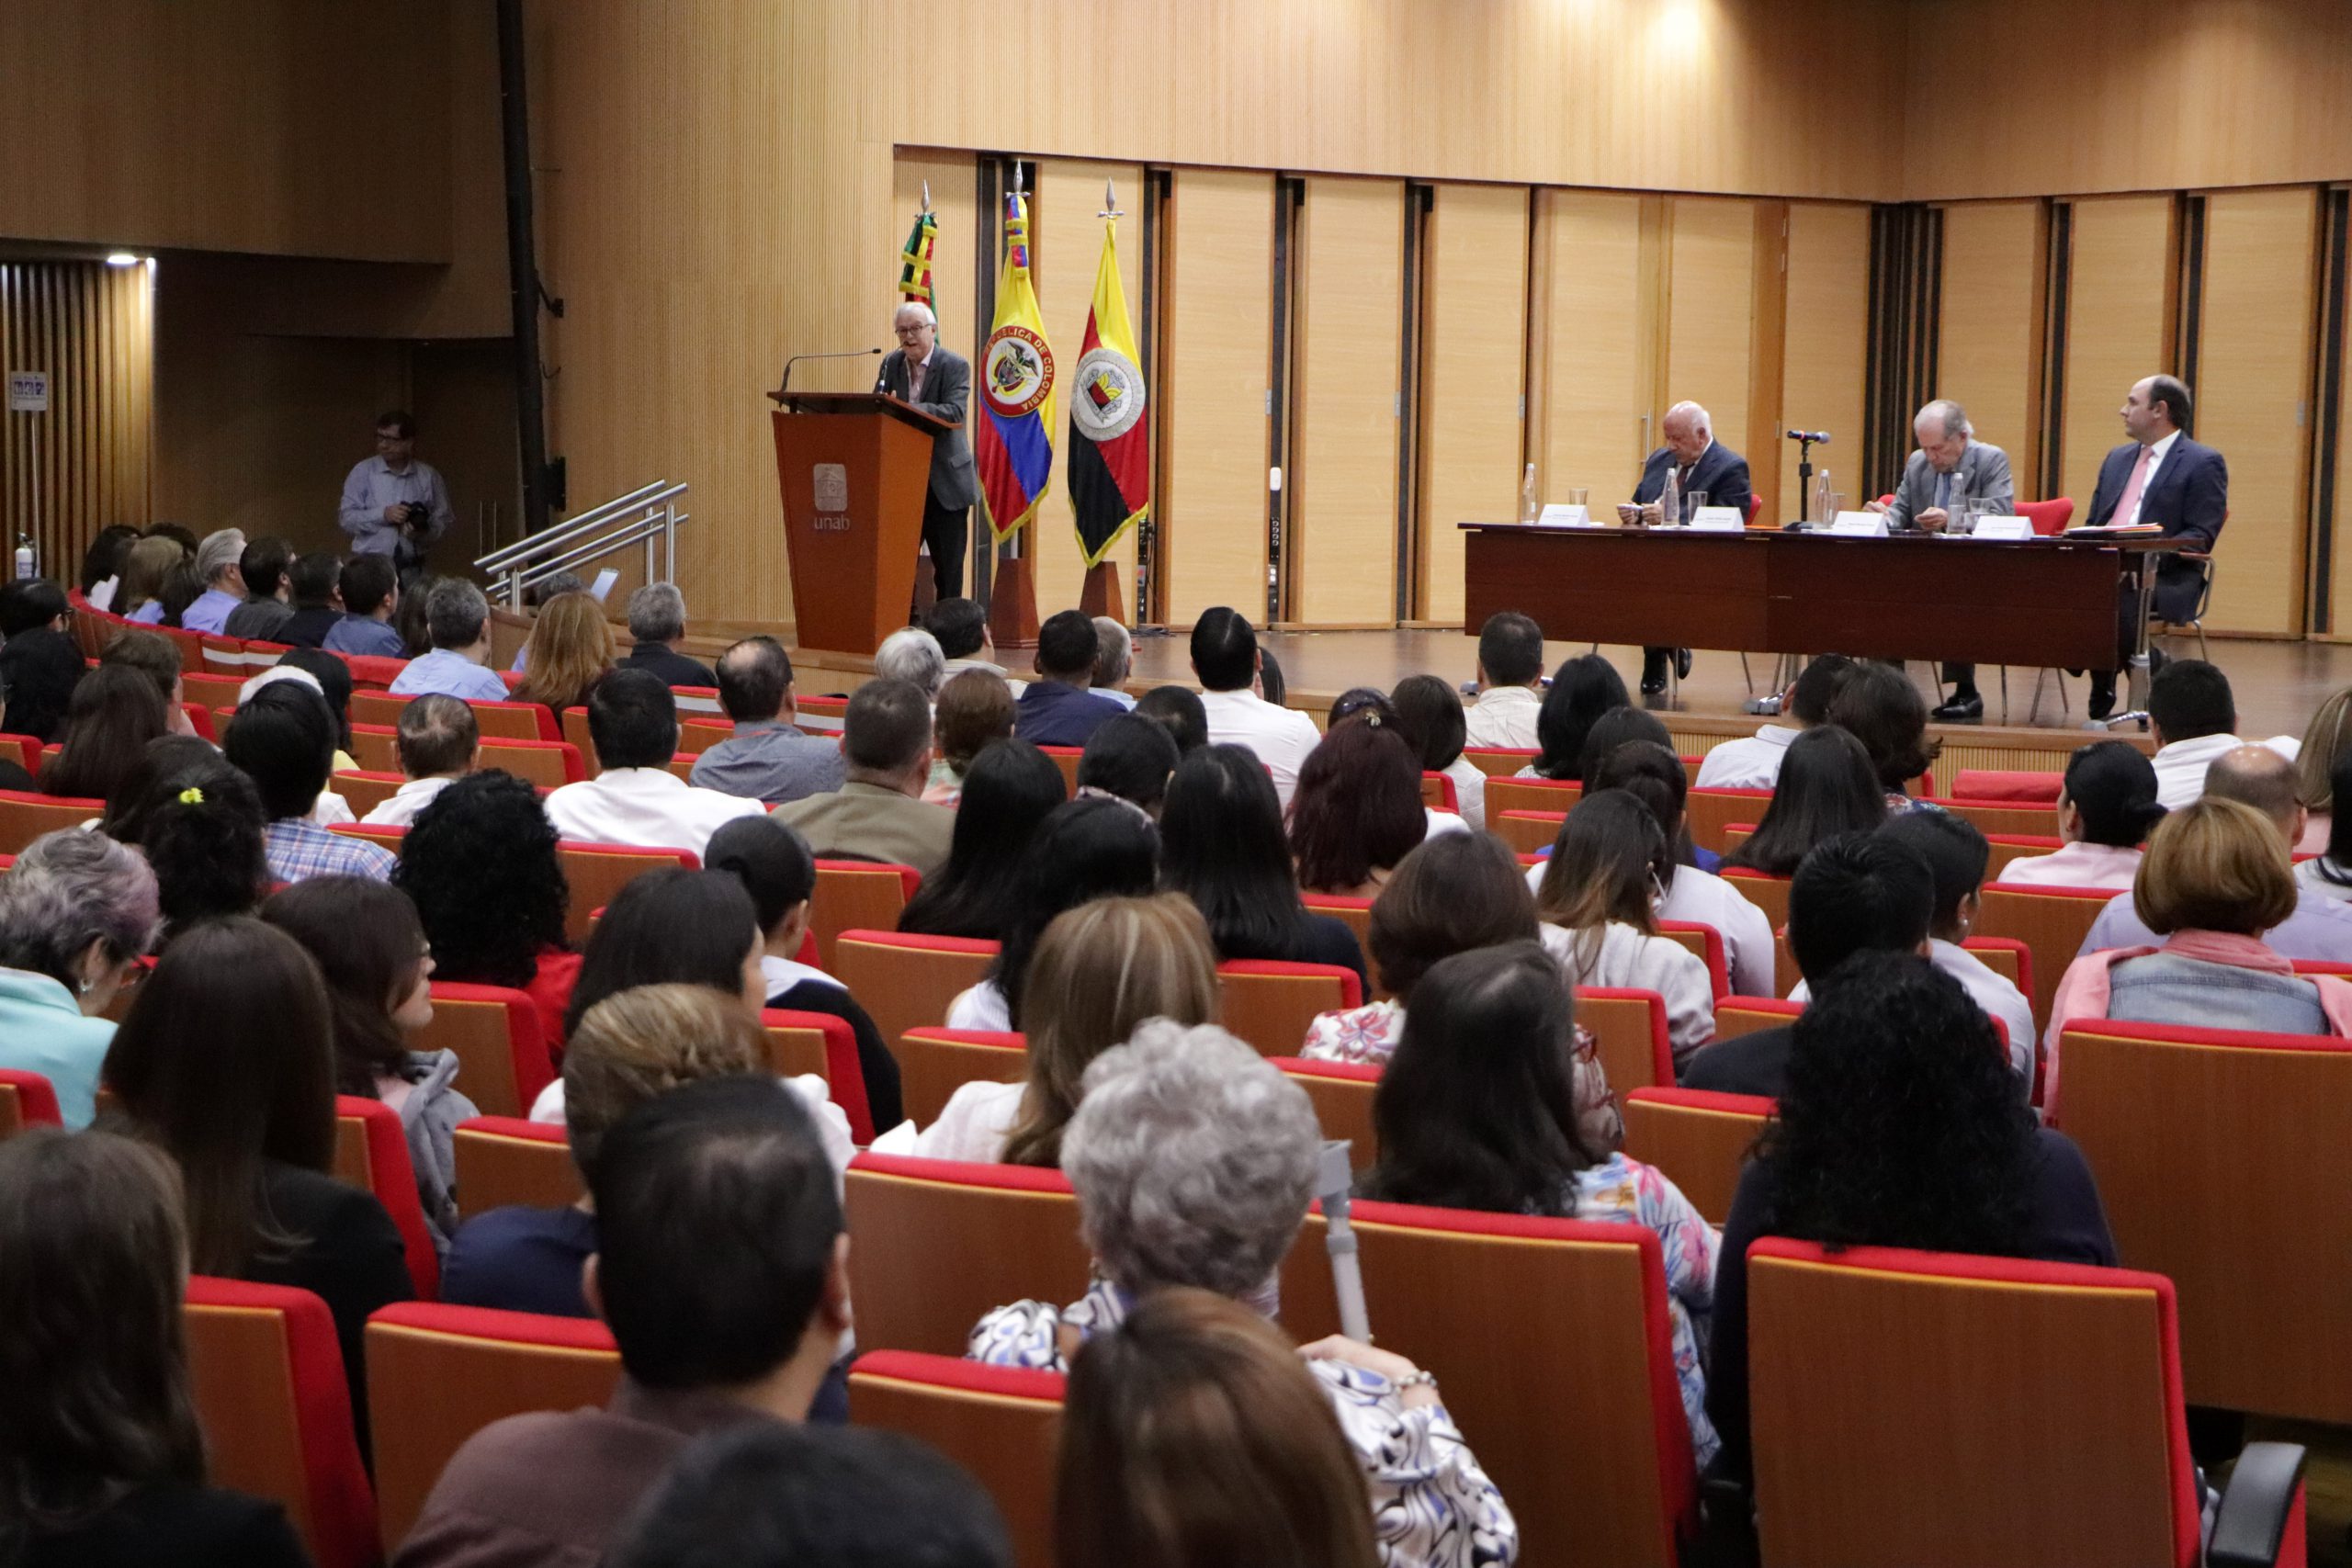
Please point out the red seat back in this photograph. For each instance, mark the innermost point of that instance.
(905, 981)
(1270, 1003)
(501, 1053)
(504, 1160)
(821, 1043)
(371, 1154)
(856, 895)
(26, 1099)
(1002, 1423)
(934, 1062)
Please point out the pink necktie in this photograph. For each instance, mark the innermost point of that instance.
(2123, 508)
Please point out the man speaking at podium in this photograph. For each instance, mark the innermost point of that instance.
(939, 382)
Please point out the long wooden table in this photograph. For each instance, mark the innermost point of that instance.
(2034, 602)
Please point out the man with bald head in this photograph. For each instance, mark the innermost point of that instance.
(1697, 462)
(1949, 468)
(2163, 478)
(2321, 927)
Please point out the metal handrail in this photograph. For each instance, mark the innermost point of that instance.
(648, 514)
(644, 495)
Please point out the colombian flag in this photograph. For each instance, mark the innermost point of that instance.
(1110, 446)
(1014, 443)
(914, 262)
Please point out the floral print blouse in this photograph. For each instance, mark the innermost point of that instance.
(1626, 1191)
(1432, 1506)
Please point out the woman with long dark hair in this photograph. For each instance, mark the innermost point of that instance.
(1084, 850)
(1826, 788)
(1582, 690)
(1007, 791)
(675, 927)
(114, 714)
(1222, 846)
(1358, 809)
(1600, 889)
(1879, 708)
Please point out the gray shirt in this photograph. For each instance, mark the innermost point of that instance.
(769, 759)
(260, 619)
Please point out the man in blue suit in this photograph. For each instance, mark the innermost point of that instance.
(2159, 476)
(1698, 462)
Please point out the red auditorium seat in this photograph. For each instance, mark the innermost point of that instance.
(934, 1062)
(26, 1099)
(1002, 1425)
(503, 1160)
(857, 895)
(371, 1154)
(821, 1043)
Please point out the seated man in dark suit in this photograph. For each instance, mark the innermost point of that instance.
(2159, 476)
(1698, 462)
(1855, 893)
(657, 619)
(1058, 709)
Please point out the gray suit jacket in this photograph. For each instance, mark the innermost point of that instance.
(946, 387)
(1982, 476)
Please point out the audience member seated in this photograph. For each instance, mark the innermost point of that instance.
(1754, 763)
(1654, 775)
(457, 619)
(569, 650)
(412, 620)
(113, 716)
(263, 565)
(1582, 689)
(145, 569)
(1195, 1435)
(768, 757)
(331, 678)
(960, 627)
(371, 953)
(2317, 927)
(657, 621)
(1878, 705)
(766, 1496)
(1011, 788)
(218, 567)
(182, 589)
(2329, 873)
(912, 654)
(1227, 658)
(775, 866)
(1621, 728)
(1430, 718)
(1486, 1105)
(1194, 1160)
(39, 666)
(2326, 739)
(1114, 661)
(109, 549)
(721, 1270)
(1358, 810)
(2216, 878)
(1826, 788)
(1899, 1126)
(970, 712)
(2106, 808)
(1609, 859)
(198, 824)
(439, 742)
(1855, 893)
(157, 657)
(633, 1046)
(76, 911)
(283, 739)
(1129, 758)
(878, 812)
(316, 582)
(100, 1457)
(371, 596)
(1222, 846)
(225, 1063)
(479, 864)
(2192, 715)
(1510, 684)
(633, 721)
(1269, 683)
(1058, 709)
(1085, 850)
(1179, 711)
(1101, 970)
(670, 926)
(28, 604)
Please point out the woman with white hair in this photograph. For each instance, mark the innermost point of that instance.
(1193, 1161)
(76, 912)
(912, 654)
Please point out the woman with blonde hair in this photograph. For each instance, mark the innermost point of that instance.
(145, 569)
(1100, 970)
(2216, 876)
(570, 649)
(2326, 739)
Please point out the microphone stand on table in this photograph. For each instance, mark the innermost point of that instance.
(1784, 664)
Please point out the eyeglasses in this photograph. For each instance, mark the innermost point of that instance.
(916, 330)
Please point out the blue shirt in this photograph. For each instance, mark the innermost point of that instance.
(1052, 713)
(42, 1031)
(2319, 929)
(450, 673)
(371, 486)
(521, 1259)
(298, 847)
(151, 613)
(210, 613)
(366, 635)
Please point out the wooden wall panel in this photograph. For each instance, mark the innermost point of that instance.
(1342, 479)
(1218, 354)
(1596, 354)
(2340, 585)
(1826, 335)
(2118, 324)
(1711, 283)
(1473, 344)
(89, 460)
(2253, 397)
(1988, 356)
(1064, 219)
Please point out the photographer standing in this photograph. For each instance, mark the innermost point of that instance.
(393, 504)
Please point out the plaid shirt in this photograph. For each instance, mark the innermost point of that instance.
(299, 848)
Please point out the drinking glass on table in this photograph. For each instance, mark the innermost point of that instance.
(1964, 514)
(1691, 500)
(1580, 496)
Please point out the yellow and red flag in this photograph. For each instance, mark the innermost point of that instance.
(1014, 443)
(914, 262)
(1110, 445)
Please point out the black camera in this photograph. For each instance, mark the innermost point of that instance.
(416, 514)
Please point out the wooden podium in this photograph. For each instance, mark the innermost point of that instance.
(853, 468)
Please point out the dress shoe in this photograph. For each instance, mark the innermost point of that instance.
(2101, 702)
(1682, 664)
(1965, 708)
(1653, 685)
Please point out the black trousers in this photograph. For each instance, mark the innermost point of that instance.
(947, 530)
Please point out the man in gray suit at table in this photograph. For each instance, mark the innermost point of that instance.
(1949, 467)
(938, 382)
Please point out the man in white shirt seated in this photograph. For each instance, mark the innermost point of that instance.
(456, 618)
(633, 720)
(1510, 684)
(1754, 763)
(1114, 661)
(2194, 717)
(1225, 657)
(439, 743)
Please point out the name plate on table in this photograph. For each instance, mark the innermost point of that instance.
(2003, 528)
(1718, 520)
(1860, 525)
(1557, 516)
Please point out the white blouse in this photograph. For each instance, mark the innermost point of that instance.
(973, 1125)
(1624, 957)
(979, 1007)
(2075, 866)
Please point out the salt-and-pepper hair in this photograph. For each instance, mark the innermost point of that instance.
(657, 613)
(222, 549)
(917, 308)
(1115, 656)
(912, 654)
(69, 889)
(1193, 1159)
(1953, 417)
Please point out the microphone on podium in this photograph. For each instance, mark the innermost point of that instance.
(837, 354)
(1810, 437)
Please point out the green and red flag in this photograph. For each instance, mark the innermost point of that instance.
(1110, 445)
(914, 261)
